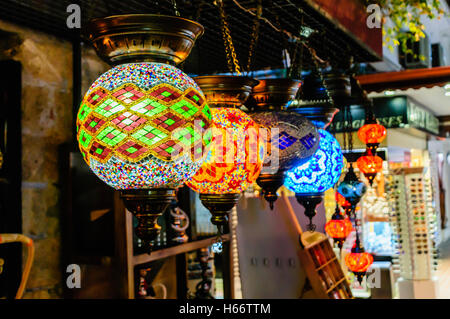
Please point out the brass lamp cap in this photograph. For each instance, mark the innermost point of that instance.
(143, 38)
(274, 94)
(225, 90)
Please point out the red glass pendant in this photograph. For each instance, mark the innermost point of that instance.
(358, 261)
(370, 165)
(338, 227)
(341, 200)
(372, 134)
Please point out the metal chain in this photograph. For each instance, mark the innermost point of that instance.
(350, 128)
(254, 36)
(233, 63)
(175, 9)
(317, 67)
(345, 126)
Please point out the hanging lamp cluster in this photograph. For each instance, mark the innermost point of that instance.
(372, 134)
(146, 128)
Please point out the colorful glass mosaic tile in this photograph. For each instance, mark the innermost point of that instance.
(321, 172)
(236, 156)
(291, 139)
(144, 118)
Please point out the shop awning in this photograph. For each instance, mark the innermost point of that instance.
(407, 79)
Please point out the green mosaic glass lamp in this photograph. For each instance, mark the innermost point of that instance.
(140, 124)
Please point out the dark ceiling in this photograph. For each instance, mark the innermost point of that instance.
(330, 42)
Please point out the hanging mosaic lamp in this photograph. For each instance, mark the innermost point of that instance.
(370, 165)
(237, 152)
(292, 139)
(372, 133)
(310, 180)
(138, 123)
(358, 261)
(352, 189)
(338, 227)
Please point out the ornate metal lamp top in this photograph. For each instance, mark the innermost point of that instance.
(143, 38)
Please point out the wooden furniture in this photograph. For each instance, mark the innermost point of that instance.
(325, 278)
(129, 262)
(323, 270)
(98, 236)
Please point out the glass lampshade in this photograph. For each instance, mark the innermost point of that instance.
(352, 189)
(358, 262)
(295, 141)
(369, 164)
(372, 133)
(321, 172)
(339, 228)
(139, 126)
(236, 155)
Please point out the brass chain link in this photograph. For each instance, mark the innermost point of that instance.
(255, 35)
(233, 63)
(175, 8)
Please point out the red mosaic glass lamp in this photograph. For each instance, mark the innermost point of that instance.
(370, 165)
(358, 260)
(237, 152)
(372, 133)
(338, 227)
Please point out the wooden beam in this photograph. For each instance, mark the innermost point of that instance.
(403, 80)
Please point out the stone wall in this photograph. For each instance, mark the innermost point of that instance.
(46, 123)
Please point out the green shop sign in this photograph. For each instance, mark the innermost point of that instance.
(393, 112)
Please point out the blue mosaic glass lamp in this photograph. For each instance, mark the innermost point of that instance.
(352, 189)
(310, 180)
(291, 140)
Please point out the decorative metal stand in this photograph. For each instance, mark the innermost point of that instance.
(202, 289)
(179, 224)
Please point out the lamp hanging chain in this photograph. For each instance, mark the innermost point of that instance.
(344, 126)
(254, 35)
(296, 60)
(350, 128)
(175, 8)
(233, 63)
(322, 80)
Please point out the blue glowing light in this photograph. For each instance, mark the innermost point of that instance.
(351, 188)
(321, 172)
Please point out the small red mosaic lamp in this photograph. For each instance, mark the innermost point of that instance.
(370, 165)
(358, 261)
(338, 227)
(372, 133)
